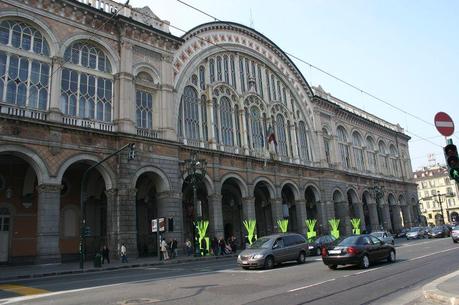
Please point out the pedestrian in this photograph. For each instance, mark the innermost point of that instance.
(123, 253)
(164, 250)
(214, 245)
(222, 246)
(188, 248)
(105, 254)
(174, 249)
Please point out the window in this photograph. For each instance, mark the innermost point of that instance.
(202, 77)
(326, 139)
(204, 117)
(212, 70)
(260, 82)
(144, 109)
(303, 141)
(256, 128)
(238, 128)
(233, 71)
(358, 151)
(394, 161)
(383, 162)
(219, 68)
(268, 85)
(25, 68)
(273, 84)
(216, 125)
(226, 121)
(226, 69)
(85, 93)
(190, 104)
(371, 155)
(343, 147)
(241, 73)
(282, 140)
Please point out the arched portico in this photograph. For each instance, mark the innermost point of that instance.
(265, 207)
(341, 212)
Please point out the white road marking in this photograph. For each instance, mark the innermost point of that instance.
(312, 285)
(365, 271)
(433, 253)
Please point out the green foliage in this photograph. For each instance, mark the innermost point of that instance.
(355, 226)
(250, 227)
(283, 225)
(311, 223)
(334, 223)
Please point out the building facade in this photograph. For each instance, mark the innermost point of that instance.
(437, 193)
(81, 79)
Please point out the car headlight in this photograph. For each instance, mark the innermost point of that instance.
(257, 256)
(310, 247)
(239, 257)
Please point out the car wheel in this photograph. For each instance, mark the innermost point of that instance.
(301, 258)
(318, 252)
(269, 262)
(455, 241)
(332, 267)
(391, 258)
(365, 262)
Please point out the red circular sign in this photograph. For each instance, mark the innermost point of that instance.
(444, 124)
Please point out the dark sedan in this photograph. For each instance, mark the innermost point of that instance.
(315, 247)
(358, 250)
(439, 231)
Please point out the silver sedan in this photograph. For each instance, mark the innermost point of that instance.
(384, 236)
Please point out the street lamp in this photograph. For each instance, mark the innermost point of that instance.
(378, 193)
(194, 170)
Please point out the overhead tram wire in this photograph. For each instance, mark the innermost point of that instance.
(336, 78)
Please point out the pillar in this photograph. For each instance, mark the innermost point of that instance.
(301, 216)
(397, 225)
(407, 217)
(48, 218)
(276, 208)
(127, 219)
(216, 216)
(248, 208)
(112, 219)
(374, 219)
(387, 225)
(55, 114)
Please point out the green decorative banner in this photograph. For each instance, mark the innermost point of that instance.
(202, 225)
(334, 223)
(250, 227)
(311, 223)
(283, 225)
(355, 226)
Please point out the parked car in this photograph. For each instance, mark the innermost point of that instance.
(416, 233)
(359, 250)
(315, 246)
(439, 231)
(455, 234)
(384, 236)
(274, 249)
(402, 233)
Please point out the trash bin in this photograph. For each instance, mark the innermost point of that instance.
(98, 260)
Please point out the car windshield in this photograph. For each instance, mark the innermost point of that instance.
(262, 242)
(437, 229)
(414, 229)
(378, 234)
(351, 240)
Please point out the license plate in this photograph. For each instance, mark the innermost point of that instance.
(334, 251)
(245, 263)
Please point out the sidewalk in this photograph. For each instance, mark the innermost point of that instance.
(444, 290)
(9, 273)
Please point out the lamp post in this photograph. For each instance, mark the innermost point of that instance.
(378, 193)
(195, 171)
(83, 228)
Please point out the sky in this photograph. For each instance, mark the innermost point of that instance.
(405, 53)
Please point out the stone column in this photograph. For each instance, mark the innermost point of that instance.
(248, 208)
(124, 108)
(397, 225)
(326, 211)
(244, 131)
(386, 217)
(169, 205)
(216, 216)
(301, 216)
(373, 213)
(292, 129)
(112, 219)
(55, 113)
(407, 217)
(276, 208)
(358, 208)
(48, 223)
(127, 221)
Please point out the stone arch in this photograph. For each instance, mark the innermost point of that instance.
(354, 203)
(45, 30)
(314, 190)
(271, 188)
(31, 157)
(149, 69)
(290, 194)
(240, 182)
(164, 184)
(111, 54)
(294, 187)
(341, 210)
(105, 171)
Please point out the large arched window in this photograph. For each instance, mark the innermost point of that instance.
(144, 100)
(326, 138)
(371, 155)
(24, 66)
(282, 139)
(204, 117)
(383, 162)
(358, 151)
(190, 104)
(303, 142)
(343, 147)
(87, 83)
(394, 161)
(227, 121)
(256, 128)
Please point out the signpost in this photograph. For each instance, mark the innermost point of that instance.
(444, 124)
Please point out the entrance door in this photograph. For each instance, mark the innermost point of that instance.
(4, 234)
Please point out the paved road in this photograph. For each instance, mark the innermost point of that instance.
(221, 282)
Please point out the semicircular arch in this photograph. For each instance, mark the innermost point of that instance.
(239, 181)
(271, 188)
(164, 184)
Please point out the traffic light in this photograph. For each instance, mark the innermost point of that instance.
(131, 152)
(452, 160)
(86, 231)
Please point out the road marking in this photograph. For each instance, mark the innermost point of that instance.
(427, 255)
(365, 271)
(22, 290)
(312, 285)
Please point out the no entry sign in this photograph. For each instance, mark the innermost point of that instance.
(444, 124)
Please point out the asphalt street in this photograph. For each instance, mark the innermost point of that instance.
(222, 282)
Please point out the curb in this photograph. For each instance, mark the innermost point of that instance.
(93, 269)
(431, 292)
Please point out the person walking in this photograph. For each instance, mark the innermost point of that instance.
(123, 253)
(105, 254)
(174, 249)
(188, 248)
(164, 250)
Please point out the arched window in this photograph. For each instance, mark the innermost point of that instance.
(284, 96)
(227, 121)
(204, 117)
(326, 138)
(256, 128)
(371, 155)
(383, 162)
(238, 127)
(226, 68)
(254, 75)
(273, 84)
(268, 85)
(212, 70)
(343, 147)
(282, 140)
(303, 142)
(24, 66)
(202, 77)
(190, 105)
(260, 82)
(394, 161)
(86, 86)
(219, 68)
(233, 71)
(144, 109)
(358, 151)
(241, 73)
(216, 125)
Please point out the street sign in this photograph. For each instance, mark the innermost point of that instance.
(444, 124)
